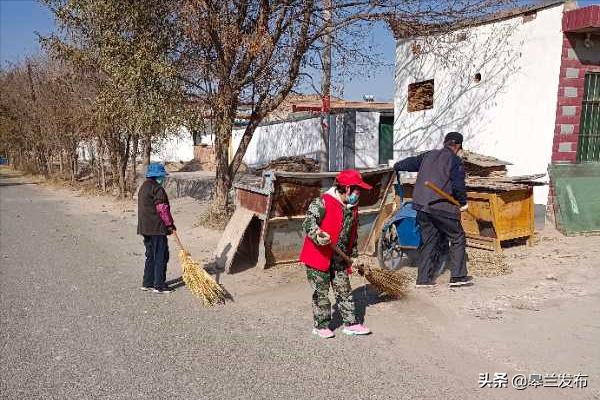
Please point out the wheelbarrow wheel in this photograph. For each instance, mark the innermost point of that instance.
(389, 251)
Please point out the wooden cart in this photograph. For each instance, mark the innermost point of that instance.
(508, 207)
(266, 227)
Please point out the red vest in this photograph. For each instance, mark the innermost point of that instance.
(319, 257)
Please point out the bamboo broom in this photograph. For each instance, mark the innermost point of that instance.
(198, 281)
(384, 280)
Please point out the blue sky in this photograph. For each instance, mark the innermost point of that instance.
(20, 19)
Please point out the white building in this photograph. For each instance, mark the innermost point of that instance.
(360, 136)
(500, 82)
(176, 147)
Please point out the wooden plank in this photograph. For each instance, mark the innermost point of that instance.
(532, 216)
(385, 213)
(477, 245)
(320, 175)
(494, 219)
(262, 249)
(252, 201)
(232, 237)
(481, 242)
(480, 238)
(369, 247)
(479, 195)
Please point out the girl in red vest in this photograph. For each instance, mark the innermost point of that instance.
(332, 220)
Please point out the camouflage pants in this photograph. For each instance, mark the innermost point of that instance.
(340, 282)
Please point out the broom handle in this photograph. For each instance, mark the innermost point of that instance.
(339, 252)
(445, 195)
(179, 244)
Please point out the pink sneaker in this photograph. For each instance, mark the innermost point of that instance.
(325, 333)
(356, 329)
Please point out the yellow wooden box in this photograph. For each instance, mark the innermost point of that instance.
(511, 213)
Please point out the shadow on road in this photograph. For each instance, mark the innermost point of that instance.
(175, 283)
(364, 297)
(17, 183)
(178, 282)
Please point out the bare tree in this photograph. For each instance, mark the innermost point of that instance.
(45, 115)
(255, 52)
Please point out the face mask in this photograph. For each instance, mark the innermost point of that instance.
(353, 198)
(160, 180)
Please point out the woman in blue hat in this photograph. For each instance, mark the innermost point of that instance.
(155, 222)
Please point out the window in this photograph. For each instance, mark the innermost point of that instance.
(420, 96)
(589, 127)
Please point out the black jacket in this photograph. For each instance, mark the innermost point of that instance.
(444, 169)
(149, 221)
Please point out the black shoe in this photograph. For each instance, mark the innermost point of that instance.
(165, 290)
(429, 284)
(146, 288)
(461, 281)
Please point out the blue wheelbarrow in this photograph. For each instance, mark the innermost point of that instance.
(400, 235)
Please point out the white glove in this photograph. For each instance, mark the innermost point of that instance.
(323, 238)
(464, 208)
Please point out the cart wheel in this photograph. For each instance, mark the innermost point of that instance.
(389, 252)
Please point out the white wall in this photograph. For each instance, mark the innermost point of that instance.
(177, 147)
(510, 114)
(366, 141)
(269, 142)
(303, 138)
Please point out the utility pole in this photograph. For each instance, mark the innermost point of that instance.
(326, 87)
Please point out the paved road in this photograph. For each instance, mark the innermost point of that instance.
(75, 326)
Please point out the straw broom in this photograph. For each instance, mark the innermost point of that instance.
(198, 281)
(385, 281)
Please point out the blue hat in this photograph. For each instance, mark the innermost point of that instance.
(156, 170)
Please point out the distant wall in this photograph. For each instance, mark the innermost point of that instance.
(356, 136)
(178, 147)
(284, 139)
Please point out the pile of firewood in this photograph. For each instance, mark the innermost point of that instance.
(291, 164)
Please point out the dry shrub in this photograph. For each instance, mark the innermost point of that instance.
(214, 219)
(487, 263)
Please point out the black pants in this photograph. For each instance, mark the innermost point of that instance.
(157, 257)
(433, 229)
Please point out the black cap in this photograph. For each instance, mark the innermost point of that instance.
(455, 137)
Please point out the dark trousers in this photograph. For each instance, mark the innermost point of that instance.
(157, 257)
(433, 229)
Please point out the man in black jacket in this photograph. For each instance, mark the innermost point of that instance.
(438, 218)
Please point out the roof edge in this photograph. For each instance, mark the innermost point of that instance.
(426, 30)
